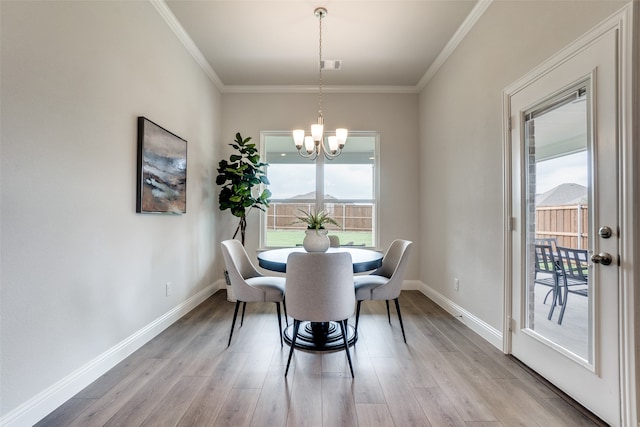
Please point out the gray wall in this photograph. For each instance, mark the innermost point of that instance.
(393, 115)
(81, 271)
(461, 176)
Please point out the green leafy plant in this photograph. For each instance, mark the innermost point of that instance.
(239, 177)
(315, 220)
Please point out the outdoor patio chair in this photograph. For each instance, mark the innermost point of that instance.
(575, 274)
(549, 241)
(547, 273)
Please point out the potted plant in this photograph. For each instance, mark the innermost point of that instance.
(316, 239)
(240, 178)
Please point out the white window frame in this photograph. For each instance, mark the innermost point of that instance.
(319, 190)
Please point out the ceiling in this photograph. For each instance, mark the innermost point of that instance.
(387, 43)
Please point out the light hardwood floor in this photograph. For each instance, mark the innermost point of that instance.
(445, 376)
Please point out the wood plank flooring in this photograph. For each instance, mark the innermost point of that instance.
(445, 376)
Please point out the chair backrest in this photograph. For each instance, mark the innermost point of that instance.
(319, 286)
(548, 241)
(394, 265)
(574, 262)
(395, 258)
(240, 268)
(545, 260)
(334, 241)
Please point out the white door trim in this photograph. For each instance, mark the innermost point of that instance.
(622, 22)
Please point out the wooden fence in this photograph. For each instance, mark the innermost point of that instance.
(351, 217)
(569, 225)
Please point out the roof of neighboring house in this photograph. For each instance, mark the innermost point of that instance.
(311, 196)
(563, 194)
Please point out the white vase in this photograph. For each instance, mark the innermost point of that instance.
(316, 241)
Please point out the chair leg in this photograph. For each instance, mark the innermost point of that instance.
(557, 297)
(566, 297)
(284, 304)
(279, 323)
(244, 307)
(357, 316)
(553, 303)
(400, 319)
(388, 313)
(233, 324)
(296, 326)
(343, 326)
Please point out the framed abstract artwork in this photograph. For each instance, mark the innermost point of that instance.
(162, 170)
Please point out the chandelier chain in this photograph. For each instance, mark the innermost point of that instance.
(320, 65)
(314, 144)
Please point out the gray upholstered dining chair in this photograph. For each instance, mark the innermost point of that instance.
(385, 283)
(320, 289)
(334, 241)
(249, 285)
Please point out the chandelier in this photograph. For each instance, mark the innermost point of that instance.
(314, 143)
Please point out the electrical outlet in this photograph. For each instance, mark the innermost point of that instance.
(168, 288)
(456, 284)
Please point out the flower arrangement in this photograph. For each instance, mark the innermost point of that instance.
(315, 220)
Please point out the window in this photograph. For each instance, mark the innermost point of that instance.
(346, 188)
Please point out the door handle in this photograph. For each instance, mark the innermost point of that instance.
(605, 232)
(602, 258)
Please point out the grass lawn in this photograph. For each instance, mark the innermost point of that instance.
(290, 238)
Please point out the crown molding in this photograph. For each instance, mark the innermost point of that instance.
(314, 89)
(186, 40)
(457, 38)
(191, 47)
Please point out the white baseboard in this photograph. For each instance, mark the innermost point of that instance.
(51, 398)
(486, 331)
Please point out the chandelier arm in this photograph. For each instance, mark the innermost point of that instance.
(328, 154)
(311, 156)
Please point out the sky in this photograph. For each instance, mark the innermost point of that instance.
(356, 181)
(571, 169)
(341, 181)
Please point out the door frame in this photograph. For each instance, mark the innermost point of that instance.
(625, 23)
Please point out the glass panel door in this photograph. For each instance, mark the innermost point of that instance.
(564, 188)
(558, 301)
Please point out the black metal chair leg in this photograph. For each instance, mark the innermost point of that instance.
(388, 313)
(284, 304)
(244, 307)
(279, 323)
(343, 326)
(296, 326)
(400, 319)
(233, 324)
(357, 316)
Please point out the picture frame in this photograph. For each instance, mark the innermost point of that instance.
(162, 170)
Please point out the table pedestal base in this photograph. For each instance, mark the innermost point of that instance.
(320, 336)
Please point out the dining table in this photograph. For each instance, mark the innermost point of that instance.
(320, 336)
